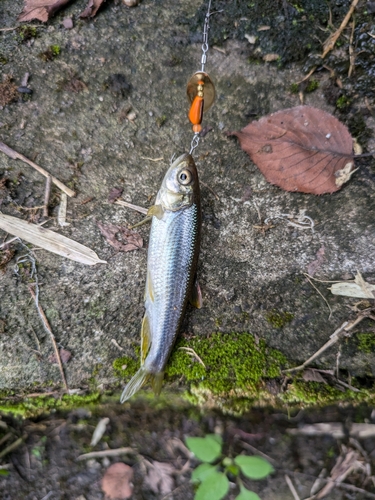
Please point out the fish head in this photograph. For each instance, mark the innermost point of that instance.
(180, 185)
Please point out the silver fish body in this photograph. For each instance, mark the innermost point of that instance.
(171, 268)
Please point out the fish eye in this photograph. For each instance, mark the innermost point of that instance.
(184, 177)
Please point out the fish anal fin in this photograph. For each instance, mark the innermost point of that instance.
(156, 210)
(149, 291)
(157, 382)
(195, 298)
(145, 338)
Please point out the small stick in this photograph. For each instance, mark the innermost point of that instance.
(133, 207)
(210, 189)
(48, 329)
(6, 243)
(18, 156)
(47, 194)
(351, 50)
(342, 331)
(319, 292)
(116, 344)
(106, 453)
(332, 39)
(151, 159)
(291, 487)
(5, 438)
(13, 446)
(258, 452)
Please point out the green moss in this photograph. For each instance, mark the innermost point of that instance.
(366, 342)
(3, 59)
(318, 394)
(232, 362)
(343, 102)
(294, 88)
(312, 85)
(36, 406)
(279, 319)
(27, 32)
(51, 53)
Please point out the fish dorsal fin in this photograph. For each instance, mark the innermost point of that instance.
(195, 298)
(156, 210)
(145, 338)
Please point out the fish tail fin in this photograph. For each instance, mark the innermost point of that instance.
(157, 382)
(135, 384)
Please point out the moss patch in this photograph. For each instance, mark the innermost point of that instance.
(279, 319)
(36, 406)
(232, 361)
(366, 342)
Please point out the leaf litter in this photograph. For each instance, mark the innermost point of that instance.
(159, 477)
(42, 10)
(134, 241)
(302, 149)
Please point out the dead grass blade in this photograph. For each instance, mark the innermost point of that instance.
(49, 240)
(332, 39)
(18, 156)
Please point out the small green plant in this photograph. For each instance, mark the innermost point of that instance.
(212, 474)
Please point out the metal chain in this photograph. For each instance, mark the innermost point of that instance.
(206, 29)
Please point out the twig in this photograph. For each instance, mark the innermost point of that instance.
(133, 207)
(258, 452)
(352, 54)
(210, 189)
(291, 487)
(6, 243)
(190, 350)
(13, 446)
(331, 40)
(342, 331)
(151, 159)
(48, 329)
(18, 156)
(114, 342)
(5, 438)
(325, 300)
(106, 453)
(47, 194)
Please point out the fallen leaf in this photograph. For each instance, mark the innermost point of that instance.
(41, 9)
(300, 149)
(315, 264)
(159, 477)
(64, 356)
(116, 482)
(134, 240)
(91, 8)
(114, 194)
(68, 23)
(49, 240)
(357, 288)
(311, 375)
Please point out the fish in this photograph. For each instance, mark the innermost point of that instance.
(171, 270)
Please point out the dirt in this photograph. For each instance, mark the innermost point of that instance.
(135, 63)
(46, 465)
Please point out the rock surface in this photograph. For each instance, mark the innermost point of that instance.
(250, 278)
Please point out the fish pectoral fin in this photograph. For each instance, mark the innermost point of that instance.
(195, 298)
(137, 382)
(156, 211)
(148, 218)
(145, 338)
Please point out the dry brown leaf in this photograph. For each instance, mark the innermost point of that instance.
(116, 482)
(315, 264)
(134, 240)
(64, 356)
(41, 9)
(357, 288)
(311, 375)
(114, 194)
(300, 149)
(159, 477)
(91, 8)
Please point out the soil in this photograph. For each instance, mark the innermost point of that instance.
(108, 110)
(46, 465)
